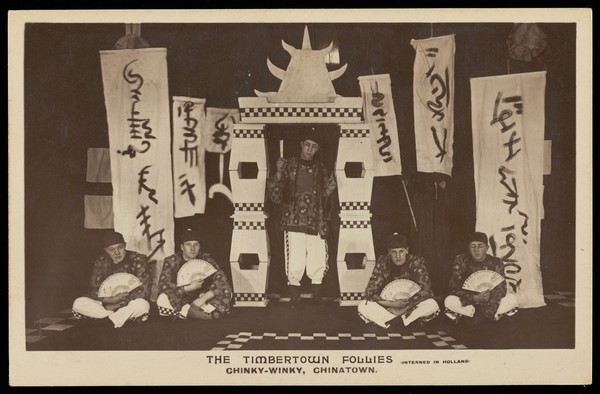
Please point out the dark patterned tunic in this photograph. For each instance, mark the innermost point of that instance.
(134, 263)
(217, 283)
(303, 210)
(385, 271)
(462, 267)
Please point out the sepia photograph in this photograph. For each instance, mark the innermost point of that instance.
(277, 197)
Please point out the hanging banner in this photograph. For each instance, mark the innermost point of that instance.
(137, 108)
(433, 97)
(216, 135)
(508, 158)
(188, 156)
(380, 115)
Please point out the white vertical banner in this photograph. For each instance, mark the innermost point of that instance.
(188, 156)
(381, 117)
(219, 126)
(508, 157)
(433, 97)
(137, 109)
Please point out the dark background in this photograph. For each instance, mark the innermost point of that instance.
(65, 115)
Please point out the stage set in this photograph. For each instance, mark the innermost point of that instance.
(431, 130)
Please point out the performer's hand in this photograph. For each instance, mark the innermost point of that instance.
(331, 184)
(116, 299)
(280, 165)
(114, 307)
(195, 285)
(398, 311)
(484, 296)
(203, 299)
(397, 304)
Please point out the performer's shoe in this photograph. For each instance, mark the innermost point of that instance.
(141, 319)
(396, 322)
(294, 296)
(425, 320)
(478, 320)
(317, 299)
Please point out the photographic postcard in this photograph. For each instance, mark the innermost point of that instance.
(229, 58)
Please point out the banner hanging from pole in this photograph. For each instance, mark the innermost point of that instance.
(508, 157)
(433, 97)
(137, 108)
(380, 115)
(216, 135)
(188, 156)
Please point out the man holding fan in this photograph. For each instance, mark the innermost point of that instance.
(116, 309)
(411, 304)
(491, 303)
(205, 298)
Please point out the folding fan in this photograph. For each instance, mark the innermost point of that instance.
(194, 270)
(399, 289)
(118, 283)
(482, 280)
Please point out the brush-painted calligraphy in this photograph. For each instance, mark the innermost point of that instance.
(187, 188)
(439, 99)
(144, 218)
(384, 141)
(139, 128)
(504, 110)
(220, 135)
(190, 147)
(503, 117)
(142, 184)
(433, 100)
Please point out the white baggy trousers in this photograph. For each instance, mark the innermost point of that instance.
(93, 308)
(508, 305)
(305, 252)
(371, 311)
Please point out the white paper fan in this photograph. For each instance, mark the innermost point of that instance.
(118, 283)
(482, 280)
(399, 289)
(194, 270)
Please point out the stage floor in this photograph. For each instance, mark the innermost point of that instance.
(332, 327)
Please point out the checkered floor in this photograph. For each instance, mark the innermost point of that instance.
(268, 340)
(42, 327)
(273, 331)
(562, 298)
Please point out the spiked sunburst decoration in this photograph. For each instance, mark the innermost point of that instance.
(306, 78)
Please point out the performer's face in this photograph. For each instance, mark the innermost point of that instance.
(308, 149)
(116, 252)
(398, 255)
(478, 251)
(190, 250)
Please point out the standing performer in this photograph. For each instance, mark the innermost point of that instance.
(116, 310)
(204, 299)
(302, 185)
(493, 303)
(398, 264)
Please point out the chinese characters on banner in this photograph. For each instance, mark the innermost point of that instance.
(188, 156)
(508, 142)
(380, 115)
(216, 135)
(433, 96)
(137, 109)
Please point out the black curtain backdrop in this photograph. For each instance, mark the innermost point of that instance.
(65, 115)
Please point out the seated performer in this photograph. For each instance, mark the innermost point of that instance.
(124, 306)
(201, 299)
(492, 303)
(398, 264)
